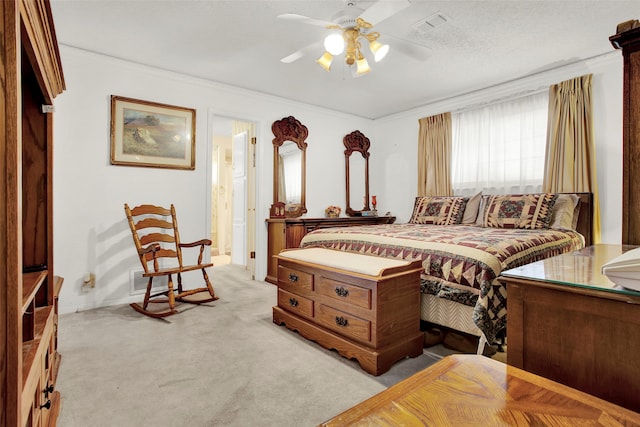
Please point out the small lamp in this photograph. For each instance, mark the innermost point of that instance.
(378, 49)
(362, 66)
(325, 61)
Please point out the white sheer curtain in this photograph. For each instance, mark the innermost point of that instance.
(500, 148)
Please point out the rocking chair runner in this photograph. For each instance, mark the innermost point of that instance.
(162, 240)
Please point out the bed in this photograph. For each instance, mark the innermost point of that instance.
(462, 258)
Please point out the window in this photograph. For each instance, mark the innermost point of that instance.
(500, 148)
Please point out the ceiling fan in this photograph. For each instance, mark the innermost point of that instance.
(349, 29)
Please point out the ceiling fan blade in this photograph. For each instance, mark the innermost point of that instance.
(412, 50)
(307, 50)
(383, 9)
(305, 20)
(293, 57)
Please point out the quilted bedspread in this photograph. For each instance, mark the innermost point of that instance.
(456, 257)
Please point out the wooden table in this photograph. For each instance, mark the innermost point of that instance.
(471, 390)
(569, 323)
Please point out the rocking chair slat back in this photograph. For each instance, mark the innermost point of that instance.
(156, 238)
(153, 223)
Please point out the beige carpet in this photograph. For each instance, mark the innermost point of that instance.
(223, 364)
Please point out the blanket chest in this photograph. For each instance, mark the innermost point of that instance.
(365, 307)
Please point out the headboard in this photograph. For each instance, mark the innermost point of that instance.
(585, 217)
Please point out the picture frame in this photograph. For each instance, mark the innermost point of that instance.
(150, 134)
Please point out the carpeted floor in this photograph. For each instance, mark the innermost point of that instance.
(223, 364)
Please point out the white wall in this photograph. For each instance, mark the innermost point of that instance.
(91, 233)
(395, 159)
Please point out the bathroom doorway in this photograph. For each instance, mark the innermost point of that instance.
(233, 192)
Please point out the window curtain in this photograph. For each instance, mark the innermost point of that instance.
(570, 161)
(434, 156)
(499, 148)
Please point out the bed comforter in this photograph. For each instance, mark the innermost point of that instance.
(460, 262)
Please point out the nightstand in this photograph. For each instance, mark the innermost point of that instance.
(569, 323)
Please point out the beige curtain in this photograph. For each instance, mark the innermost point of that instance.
(570, 161)
(434, 156)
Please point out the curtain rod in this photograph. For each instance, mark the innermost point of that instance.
(511, 97)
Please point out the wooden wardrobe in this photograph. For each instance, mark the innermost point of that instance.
(628, 39)
(31, 77)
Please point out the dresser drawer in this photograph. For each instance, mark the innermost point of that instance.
(341, 291)
(295, 279)
(295, 303)
(343, 323)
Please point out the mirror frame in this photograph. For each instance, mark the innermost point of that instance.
(288, 129)
(357, 142)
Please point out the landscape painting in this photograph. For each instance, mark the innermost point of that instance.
(150, 134)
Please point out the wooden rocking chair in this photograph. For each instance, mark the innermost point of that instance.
(162, 240)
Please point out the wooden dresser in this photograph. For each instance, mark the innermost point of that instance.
(365, 307)
(286, 233)
(569, 323)
(31, 79)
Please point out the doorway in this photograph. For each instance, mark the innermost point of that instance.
(233, 192)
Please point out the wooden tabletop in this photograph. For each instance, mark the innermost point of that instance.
(471, 390)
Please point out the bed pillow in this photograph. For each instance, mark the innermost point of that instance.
(529, 211)
(482, 208)
(439, 210)
(471, 210)
(562, 214)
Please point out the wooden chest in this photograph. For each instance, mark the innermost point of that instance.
(365, 307)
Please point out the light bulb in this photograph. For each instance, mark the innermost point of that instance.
(334, 43)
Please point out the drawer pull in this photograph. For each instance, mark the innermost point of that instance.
(293, 277)
(293, 302)
(46, 405)
(48, 390)
(341, 321)
(342, 292)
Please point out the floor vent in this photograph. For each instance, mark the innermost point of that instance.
(139, 283)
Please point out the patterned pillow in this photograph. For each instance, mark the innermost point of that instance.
(439, 210)
(531, 211)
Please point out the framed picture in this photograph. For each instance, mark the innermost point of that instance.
(149, 134)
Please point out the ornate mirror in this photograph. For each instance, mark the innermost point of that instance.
(357, 166)
(289, 166)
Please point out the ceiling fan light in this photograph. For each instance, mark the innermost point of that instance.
(379, 50)
(362, 66)
(334, 43)
(325, 61)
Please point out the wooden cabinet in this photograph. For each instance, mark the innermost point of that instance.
(629, 41)
(286, 233)
(374, 318)
(569, 323)
(32, 77)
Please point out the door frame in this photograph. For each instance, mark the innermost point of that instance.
(253, 173)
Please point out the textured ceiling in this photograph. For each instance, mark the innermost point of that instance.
(483, 43)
